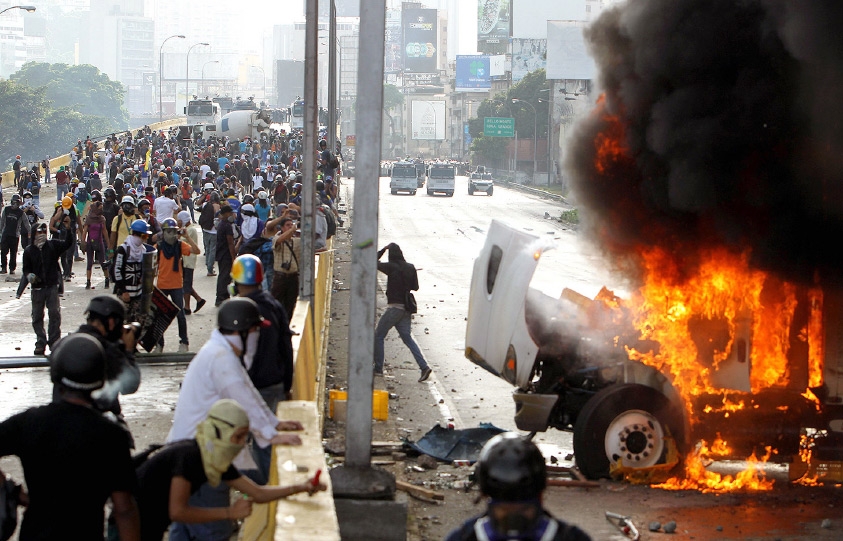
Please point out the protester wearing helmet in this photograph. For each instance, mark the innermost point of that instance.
(32, 213)
(68, 440)
(41, 269)
(226, 250)
(13, 222)
(217, 371)
(189, 264)
(170, 279)
(512, 475)
(121, 225)
(129, 270)
(271, 371)
(104, 318)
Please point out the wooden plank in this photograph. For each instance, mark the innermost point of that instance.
(419, 491)
(572, 483)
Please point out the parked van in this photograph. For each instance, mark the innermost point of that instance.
(403, 178)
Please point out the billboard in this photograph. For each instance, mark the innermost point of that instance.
(428, 121)
(567, 57)
(527, 55)
(420, 40)
(473, 73)
(493, 25)
(529, 17)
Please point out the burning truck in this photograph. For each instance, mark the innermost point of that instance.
(709, 173)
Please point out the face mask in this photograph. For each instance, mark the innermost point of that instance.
(214, 438)
(146, 212)
(40, 239)
(128, 209)
(170, 236)
(232, 219)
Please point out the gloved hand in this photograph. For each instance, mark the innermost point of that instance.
(31, 278)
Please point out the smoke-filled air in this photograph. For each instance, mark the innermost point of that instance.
(720, 125)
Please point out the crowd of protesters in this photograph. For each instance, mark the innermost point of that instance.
(151, 188)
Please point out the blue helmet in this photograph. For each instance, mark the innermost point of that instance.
(140, 226)
(247, 269)
(169, 223)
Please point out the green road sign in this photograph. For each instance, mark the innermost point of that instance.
(494, 126)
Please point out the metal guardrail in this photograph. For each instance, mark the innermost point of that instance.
(533, 191)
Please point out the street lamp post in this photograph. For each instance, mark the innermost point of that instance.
(203, 73)
(515, 100)
(161, 74)
(549, 134)
(187, 73)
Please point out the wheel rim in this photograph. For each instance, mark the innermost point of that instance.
(636, 437)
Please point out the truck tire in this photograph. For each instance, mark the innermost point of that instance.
(394, 192)
(429, 192)
(489, 193)
(470, 189)
(413, 192)
(451, 193)
(628, 422)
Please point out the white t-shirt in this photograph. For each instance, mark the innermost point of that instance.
(203, 170)
(216, 373)
(165, 207)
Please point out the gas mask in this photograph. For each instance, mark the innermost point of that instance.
(170, 236)
(232, 218)
(128, 209)
(40, 239)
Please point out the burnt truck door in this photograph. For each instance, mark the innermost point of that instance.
(497, 337)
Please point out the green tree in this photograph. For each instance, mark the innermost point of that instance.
(84, 89)
(392, 99)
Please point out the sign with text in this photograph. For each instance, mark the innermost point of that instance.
(494, 126)
(428, 120)
(493, 25)
(473, 73)
(420, 40)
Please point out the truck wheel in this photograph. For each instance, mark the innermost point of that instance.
(429, 192)
(470, 189)
(628, 422)
(489, 193)
(451, 193)
(413, 192)
(394, 192)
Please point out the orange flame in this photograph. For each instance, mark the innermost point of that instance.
(697, 477)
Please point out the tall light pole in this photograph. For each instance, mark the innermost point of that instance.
(28, 9)
(203, 72)
(263, 75)
(535, 118)
(332, 77)
(549, 134)
(161, 74)
(187, 73)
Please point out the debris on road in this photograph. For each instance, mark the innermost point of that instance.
(624, 524)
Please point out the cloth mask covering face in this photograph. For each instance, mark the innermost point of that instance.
(170, 236)
(251, 345)
(232, 218)
(214, 438)
(40, 239)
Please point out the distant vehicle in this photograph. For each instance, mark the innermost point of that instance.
(242, 124)
(204, 111)
(480, 181)
(441, 177)
(297, 115)
(226, 103)
(403, 178)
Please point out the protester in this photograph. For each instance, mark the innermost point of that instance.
(68, 443)
(401, 280)
(512, 476)
(13, 223)
(129, 270)
(171, 275)
(226, 252)
(95, 242)
(287, 253)
(189, 265)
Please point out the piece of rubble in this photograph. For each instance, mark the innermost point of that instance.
(654, 526)
(826, 523)
(427, 462)
(670, 527)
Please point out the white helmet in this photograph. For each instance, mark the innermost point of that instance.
(209, 185)
(127, 199)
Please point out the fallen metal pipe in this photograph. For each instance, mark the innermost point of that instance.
(40, 361)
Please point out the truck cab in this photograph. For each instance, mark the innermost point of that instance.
(570, 363)
(403, 178)
(441, 178)
(204, 111)
(480, 180)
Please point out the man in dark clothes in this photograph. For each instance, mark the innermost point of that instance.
(73, 458)
(225, 251)
(272, 367)
(13, 223)
(401, 279)
(512, 475)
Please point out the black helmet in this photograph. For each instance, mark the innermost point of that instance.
(511, 468)
(15, 199)
(107, 306)
(248, 198)
(109, 192)
(78, 362)
(238, 314)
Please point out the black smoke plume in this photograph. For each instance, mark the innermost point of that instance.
(730, 115)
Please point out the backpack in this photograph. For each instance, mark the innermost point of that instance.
(334, 162)
(332, 223)
(206, 217)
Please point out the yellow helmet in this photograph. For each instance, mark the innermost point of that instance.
(66, 202)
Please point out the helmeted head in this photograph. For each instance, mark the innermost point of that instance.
(184, 218)
(110, 311)
(511, 469)
(127, 204)
(15, 201)
(140, 227)
(109, 194)
(169, 230)
(247, 269)
(144, 205)
(78, 363)
(239, 314)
